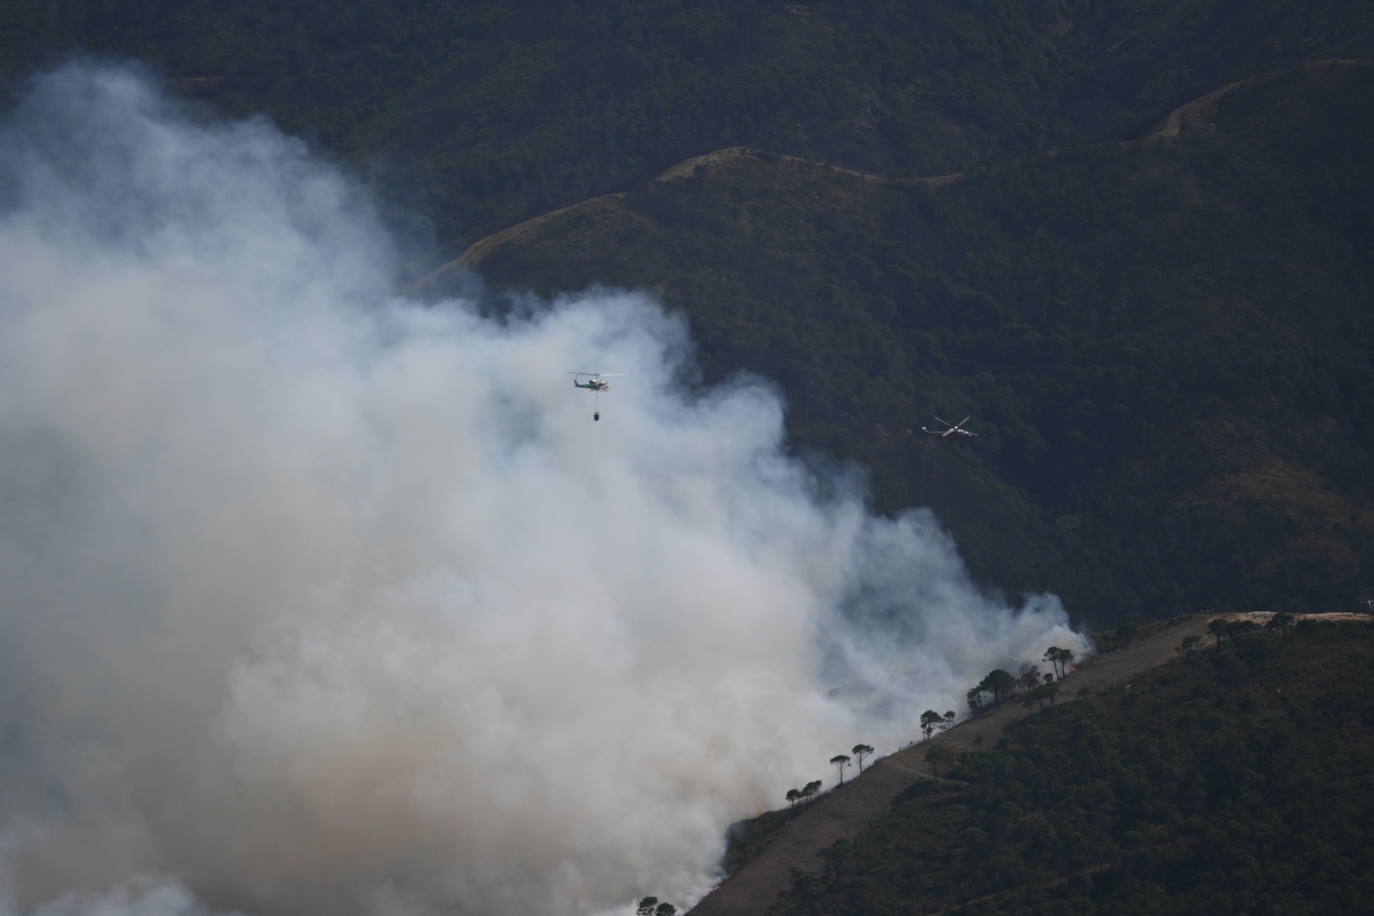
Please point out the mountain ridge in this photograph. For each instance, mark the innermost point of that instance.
(847, 810)
(797, 847)
(1193, 115)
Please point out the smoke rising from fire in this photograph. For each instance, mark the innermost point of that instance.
(318, 599)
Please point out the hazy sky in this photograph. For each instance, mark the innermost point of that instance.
(320, 600)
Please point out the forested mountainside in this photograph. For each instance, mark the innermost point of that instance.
(476, 115)
(1234, 780)
(1131, 240)
(1158, 323)
(1164, 343)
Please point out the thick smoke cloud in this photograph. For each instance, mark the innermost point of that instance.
(320, 600)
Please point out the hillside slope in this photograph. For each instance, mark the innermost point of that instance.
(892, 839)
(1163, 343)
(846, 811)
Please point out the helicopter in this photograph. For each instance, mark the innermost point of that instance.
(951, 429)
(595, 383)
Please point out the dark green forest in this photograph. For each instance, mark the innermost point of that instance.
(1233, 780)
(1161, 334)
(475, 115)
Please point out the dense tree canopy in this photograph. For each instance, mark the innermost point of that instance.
(478, 114)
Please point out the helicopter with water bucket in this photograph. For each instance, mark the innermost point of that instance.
(595, 383)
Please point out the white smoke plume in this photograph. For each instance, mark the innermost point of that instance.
(316, 599)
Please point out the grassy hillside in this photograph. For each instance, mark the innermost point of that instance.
(1233, 780)
(1163, 342)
